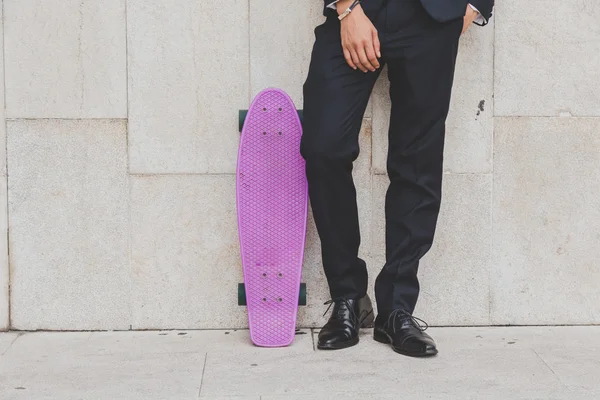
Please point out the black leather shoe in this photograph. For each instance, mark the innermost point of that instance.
(405, 334)
(348, 316)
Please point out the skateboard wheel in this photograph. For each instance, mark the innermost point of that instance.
(242, 118)
(241, 294)
(302, 297)
(243, 113)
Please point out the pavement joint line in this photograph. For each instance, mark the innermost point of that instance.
(11, 343)
(202, 378)
(550, 368)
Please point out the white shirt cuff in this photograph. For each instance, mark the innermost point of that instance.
(332, 5)
(479, 20)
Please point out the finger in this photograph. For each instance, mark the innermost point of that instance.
(376, 43)
(364, 59)
(370, 50)
(356, 60)
(348, 58)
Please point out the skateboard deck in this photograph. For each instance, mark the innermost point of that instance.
(272, 202)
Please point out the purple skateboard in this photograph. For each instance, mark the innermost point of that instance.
(272, 207)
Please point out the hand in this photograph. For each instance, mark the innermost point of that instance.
(360, 39)
(470, 16)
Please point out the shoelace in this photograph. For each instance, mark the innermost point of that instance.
(331, 302)
(405, 315)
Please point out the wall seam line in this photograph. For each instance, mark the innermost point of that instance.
(493, 140)
(5, 123)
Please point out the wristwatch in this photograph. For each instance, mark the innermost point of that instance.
(349, 10)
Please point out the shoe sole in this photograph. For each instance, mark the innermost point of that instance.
(338, 346)
(386, 339)
(367, 322)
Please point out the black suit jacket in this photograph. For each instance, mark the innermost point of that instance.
(443, 10)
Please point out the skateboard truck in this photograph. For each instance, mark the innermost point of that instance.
(244, 113)
(242, 295)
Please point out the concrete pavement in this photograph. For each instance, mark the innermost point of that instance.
(474, 363)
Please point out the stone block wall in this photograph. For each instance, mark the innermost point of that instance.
(118, 174)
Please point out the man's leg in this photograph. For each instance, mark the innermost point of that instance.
(421, 74)
(335, 99)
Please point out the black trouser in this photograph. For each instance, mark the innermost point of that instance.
(420, 54)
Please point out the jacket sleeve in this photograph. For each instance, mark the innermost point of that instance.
(485, 7)
(329, 7)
